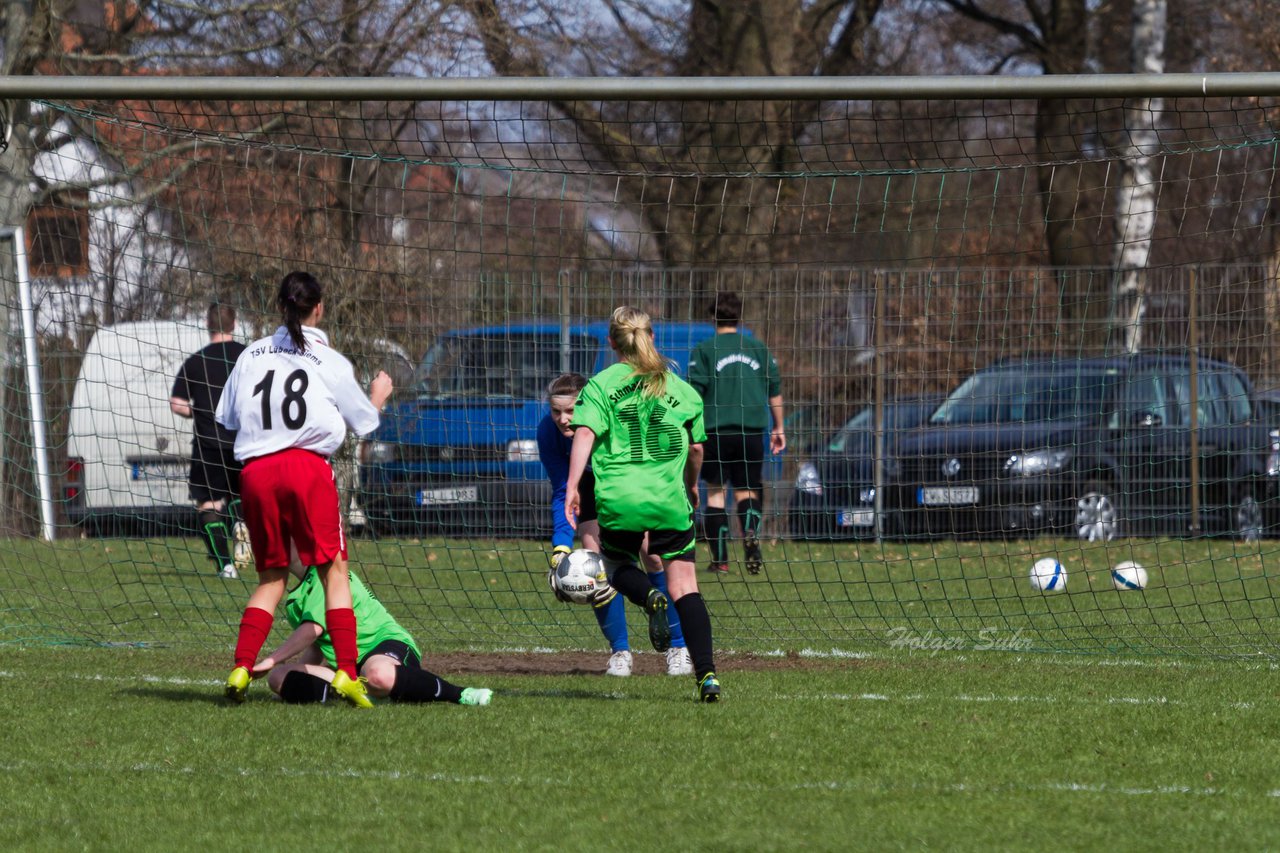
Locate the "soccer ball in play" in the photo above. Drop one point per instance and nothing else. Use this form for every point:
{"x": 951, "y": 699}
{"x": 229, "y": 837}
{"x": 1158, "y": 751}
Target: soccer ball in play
{"x": 1129, "y": 575}
{"x": 580, "y": 575}
{"x": 1048, "y": 575}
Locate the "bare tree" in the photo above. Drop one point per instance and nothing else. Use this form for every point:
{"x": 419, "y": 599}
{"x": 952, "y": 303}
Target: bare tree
{"x": 1136, "y": 197}
{"x": 1053, "y": 37}
{"x": 738, "y": 151}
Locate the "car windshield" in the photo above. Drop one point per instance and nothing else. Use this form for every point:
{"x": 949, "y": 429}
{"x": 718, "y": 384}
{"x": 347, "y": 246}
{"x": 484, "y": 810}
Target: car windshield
{"x": 500, "y": 365}
{"x": 1012, "y": 397}
{"x": 897, "y": 416}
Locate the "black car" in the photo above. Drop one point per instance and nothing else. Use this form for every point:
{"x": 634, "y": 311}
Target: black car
{"x": 1089, "y": 447}
{"x": 834, "y": 493}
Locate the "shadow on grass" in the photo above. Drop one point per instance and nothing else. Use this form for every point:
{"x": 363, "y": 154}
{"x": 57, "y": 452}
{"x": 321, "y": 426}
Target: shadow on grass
{"x": 178, "y": 694}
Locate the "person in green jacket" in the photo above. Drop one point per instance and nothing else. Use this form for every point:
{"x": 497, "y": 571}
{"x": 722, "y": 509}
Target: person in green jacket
{"x": 741, "y": 390}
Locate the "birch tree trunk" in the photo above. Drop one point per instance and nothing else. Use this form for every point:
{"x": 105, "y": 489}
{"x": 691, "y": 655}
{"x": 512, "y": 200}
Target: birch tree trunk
{"x": 1137, "y": 197}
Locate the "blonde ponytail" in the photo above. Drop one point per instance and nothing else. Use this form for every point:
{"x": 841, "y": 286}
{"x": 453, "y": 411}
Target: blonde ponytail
{"x": 631, "y": 331}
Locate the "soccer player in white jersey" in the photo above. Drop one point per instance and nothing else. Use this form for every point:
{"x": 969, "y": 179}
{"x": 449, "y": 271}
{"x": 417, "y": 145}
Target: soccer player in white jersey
{"x": 291, "y": 398}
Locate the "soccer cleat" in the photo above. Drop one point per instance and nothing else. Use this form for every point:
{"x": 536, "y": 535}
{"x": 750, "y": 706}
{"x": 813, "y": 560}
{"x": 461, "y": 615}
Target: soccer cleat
{"x": 619, "y": 664}
{"x": 718, "y": 568}
{"x": 752, "y": 556}
{"x": 709, "y": 688}
{"x": 229, "y": 572}
{"x": 659, "y": 629}
{"x": 678, "y": 661}
{"x": 242, "y": 551}
{"x": 238, "y": 684}
{"x": 475, "y": 696}
{"x": 352, "y": 689}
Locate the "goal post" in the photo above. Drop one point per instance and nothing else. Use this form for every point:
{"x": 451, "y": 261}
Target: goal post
{"x": 896, "y": 241}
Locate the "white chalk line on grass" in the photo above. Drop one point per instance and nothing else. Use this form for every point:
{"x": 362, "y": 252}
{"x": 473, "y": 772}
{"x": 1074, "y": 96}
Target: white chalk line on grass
{"x": 1084, "y": 660}
{"x": 993, "y": 698}
{"x": 849, "y": 786}
{"x": 823, "y": 697}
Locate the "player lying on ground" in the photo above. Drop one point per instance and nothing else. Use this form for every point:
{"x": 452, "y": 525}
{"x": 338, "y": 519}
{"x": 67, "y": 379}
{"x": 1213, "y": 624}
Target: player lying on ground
{"x": 389, "y": 659}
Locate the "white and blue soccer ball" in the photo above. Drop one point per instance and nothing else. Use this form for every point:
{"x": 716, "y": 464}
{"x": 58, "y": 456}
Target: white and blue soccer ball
{"x": 1048, "y": 575}
{"x": 1129, "y": 575}
{"x": 581, "y": 575}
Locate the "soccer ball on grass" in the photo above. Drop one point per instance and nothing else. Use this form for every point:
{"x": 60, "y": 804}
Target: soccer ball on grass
{"x": 1129, "y": 575}
{"x": 1048, "y": 575}
{"x": 581, "y": 576}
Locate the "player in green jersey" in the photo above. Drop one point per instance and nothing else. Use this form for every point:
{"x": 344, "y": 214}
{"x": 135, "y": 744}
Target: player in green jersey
{"x": 741, "y": 387}
{"x": 640, "y": 427}
{"x": 388, "y": 657}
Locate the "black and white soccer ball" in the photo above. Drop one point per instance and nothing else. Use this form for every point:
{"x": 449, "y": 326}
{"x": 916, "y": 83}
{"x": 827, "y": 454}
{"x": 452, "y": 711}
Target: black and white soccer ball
{"x": 581, "y": 576}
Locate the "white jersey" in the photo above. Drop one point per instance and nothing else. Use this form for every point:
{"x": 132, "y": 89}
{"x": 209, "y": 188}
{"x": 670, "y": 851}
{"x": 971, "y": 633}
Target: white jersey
{"x": 278, "y": 398}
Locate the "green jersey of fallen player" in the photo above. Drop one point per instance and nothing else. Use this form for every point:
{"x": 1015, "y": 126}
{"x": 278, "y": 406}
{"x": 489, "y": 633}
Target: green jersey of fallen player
{"x": 642, "y": 444}
{"x": 305, "y": 603}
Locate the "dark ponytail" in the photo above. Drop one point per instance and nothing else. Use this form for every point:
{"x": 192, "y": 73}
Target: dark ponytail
{"x": 299, "y": 295}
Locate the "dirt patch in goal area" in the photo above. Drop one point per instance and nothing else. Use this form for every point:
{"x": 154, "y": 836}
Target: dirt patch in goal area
{"x": 593, "y": 663}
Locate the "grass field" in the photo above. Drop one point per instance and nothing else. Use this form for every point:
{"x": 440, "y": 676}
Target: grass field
{"x": 901, "y": 733}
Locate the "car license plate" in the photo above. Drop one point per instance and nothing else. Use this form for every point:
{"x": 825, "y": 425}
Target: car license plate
{"x": 155, "y": 470}
{"x": 856, "y": 518}
{"x": 948, "y": 495}
{"x": 458, "y": 495}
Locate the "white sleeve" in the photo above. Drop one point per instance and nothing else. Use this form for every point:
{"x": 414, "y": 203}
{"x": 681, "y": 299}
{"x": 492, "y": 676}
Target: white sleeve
{"x": 227, "y": 414}
{"x": 353, "y": 403}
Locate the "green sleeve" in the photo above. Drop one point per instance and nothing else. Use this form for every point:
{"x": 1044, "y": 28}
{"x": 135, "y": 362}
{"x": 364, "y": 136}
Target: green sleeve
{"x": 697, "y": 425}
{"x": 700, "y": 368}
{"x": 773, "y": 374}
{"x": 591, "y": 410}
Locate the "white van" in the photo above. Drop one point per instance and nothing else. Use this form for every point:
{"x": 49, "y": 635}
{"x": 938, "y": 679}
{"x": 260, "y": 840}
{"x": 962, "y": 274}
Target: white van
{"x": 129, "y": 454}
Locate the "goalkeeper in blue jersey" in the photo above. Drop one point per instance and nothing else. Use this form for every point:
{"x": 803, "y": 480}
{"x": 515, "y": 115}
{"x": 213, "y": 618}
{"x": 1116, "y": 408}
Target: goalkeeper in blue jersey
{"x": 555, "y": 439}
{"x": 387, "y": 657}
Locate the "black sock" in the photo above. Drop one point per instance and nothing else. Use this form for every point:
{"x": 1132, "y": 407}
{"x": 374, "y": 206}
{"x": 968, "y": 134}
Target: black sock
{"x": 715, "y": 522}
{"x": 632, "y": 583}
{"x": 217, "y": 536}
{"x": 303, "y": 688}
{"x": 696, "y": 624}
{"x": 751, "y": 515}
{"x": 418, "y": 685}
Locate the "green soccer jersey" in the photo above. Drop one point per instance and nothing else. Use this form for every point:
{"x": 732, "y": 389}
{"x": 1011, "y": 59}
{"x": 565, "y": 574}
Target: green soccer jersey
{"x": 305, "y": 603}
{"x": 642, "y": 444}
{"x": 736, "y": 375}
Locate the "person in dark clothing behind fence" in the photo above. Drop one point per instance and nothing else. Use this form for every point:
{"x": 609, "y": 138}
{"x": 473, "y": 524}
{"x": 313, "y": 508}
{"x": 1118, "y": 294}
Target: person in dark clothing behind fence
{"x": 215, "y": 473}
{"x": 741, "y": 390}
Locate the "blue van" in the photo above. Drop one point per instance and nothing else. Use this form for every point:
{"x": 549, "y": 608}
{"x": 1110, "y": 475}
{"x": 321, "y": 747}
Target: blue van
{"x": 458, "y": 454}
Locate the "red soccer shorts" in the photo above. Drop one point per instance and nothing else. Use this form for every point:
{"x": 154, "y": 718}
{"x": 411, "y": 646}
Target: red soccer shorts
{"x": 291, "y": 495}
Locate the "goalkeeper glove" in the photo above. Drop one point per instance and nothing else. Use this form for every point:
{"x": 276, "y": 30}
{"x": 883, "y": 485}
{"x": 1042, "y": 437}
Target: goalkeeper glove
{"x": 603, "y": 595}
{"x": 558, "y": 553}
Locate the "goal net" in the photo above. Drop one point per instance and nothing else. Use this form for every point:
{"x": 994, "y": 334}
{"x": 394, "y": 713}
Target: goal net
{"x": 1007, "y": 329}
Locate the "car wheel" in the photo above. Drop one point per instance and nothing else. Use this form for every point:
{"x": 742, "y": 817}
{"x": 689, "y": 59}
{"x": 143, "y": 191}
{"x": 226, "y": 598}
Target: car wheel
{"x": 1097, "y": 517}
{"x": 1246, "y": 518}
